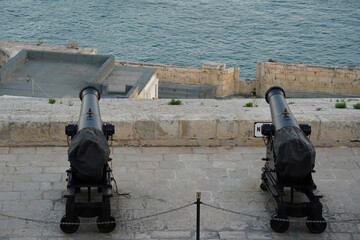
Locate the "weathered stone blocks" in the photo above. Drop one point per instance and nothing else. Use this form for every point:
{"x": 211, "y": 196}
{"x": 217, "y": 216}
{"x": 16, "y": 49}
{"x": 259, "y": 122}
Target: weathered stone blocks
{"x": 296, "y": 77}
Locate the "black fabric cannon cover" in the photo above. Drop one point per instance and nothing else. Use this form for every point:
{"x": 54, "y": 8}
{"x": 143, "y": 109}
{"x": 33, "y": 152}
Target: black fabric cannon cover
{"x": 294, "y": 154}
{"x": 88, "y": 153}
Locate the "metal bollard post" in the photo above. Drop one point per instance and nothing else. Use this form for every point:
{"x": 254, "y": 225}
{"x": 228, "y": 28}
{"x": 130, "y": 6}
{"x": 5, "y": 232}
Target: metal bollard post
{"x": 198, "y": 202}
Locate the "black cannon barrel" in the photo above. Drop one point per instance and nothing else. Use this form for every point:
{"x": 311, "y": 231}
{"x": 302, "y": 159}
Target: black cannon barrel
{"x": 294, "y": 153}
{"x": 90, "y": 112}
{"x": 89, "y": 151}
{"x": 280, "y": 112}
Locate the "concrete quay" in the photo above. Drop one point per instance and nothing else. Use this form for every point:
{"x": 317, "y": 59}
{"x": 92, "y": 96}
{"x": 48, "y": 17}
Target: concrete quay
{"x": 32, "y": 182}
{"x": 201, "y": 122}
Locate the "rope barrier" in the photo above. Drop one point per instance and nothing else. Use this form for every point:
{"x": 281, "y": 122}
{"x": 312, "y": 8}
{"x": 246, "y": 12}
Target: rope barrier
{"x": 177, "y": 209}
{"x": 279, "y": 219}
{"x": 96, "y": 223}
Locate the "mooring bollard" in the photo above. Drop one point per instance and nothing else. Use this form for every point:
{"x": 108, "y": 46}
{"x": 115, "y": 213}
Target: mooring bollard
{"x": 198, "y": 203}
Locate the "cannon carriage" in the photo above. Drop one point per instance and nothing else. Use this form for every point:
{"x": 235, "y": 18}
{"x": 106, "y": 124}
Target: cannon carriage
{"x": 289, "y": 165}
{"x": 88, "y": 154}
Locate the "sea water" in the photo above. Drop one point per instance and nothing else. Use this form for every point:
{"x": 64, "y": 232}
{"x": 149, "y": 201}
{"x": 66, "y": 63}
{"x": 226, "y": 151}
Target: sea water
{"x": 191, "y": 32}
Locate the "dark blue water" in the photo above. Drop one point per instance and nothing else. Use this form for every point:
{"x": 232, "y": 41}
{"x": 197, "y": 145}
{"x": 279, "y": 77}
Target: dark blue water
{"x": 191, "y": 32}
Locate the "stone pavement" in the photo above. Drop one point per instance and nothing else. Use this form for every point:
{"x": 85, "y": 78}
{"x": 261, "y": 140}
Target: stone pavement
{"x": 32, "y": 182}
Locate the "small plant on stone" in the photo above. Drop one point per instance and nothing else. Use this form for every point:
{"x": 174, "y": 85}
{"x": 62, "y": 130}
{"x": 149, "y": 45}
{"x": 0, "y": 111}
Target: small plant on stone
{"x": 356, "y": 106}
{"x": 52, "y": 101}
{"x": 291, "y": 103}
{"x": 318, "y": 109}
{"x": 174, "y": 102}
{"x": 249, "y": 104}
{"x": 39, "y": 42}
{"x": 73, "y": 45}
{"x": 70, "y": 103}
{"x": 61, "y": 102}
{"x": 340, "y": 105}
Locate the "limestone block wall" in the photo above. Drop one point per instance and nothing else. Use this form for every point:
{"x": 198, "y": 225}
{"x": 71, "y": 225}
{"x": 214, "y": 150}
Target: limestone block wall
{"x": 141, "y": 122}
{"x": 306, "y": 78}
{"x": 226, "y": 80}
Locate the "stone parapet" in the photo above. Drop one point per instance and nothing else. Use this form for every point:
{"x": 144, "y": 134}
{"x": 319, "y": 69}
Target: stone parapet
{"x": 226, "y": 80}
{"x": 35, "y": 122}
{"x": 9, "y": 49}
{"x": 301, "y": 78}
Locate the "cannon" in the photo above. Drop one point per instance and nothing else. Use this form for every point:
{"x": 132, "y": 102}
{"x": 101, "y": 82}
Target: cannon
{"x": 289, "y": 164}
{"x": 88, "y": 154}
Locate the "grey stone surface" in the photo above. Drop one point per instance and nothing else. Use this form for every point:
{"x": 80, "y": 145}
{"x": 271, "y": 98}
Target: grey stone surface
{"x": 183, "y": 91}
{"x": 32, "y": 182}
{"x": 35, "y": 122}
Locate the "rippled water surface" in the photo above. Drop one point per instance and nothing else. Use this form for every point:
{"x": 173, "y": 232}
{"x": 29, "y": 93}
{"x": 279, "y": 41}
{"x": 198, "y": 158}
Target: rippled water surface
{"x": 235, "y": 32}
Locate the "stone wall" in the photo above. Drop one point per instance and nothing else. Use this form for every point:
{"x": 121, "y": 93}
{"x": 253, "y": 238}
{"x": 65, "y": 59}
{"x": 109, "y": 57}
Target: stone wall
{"x": 226, "y": 80}
{"x": 140, "y": 122}
{"x": 301, "y": 78}
{"x": 298, "y": 80}
{"x": 9, "y": 49}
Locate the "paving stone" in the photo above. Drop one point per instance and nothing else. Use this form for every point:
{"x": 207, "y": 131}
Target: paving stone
{"x": 4, "y": 150}
{"x": 205, "y": 150}
{"x": 46, "y": 177}
{"x": 40, "y": 205}
{"x": 342, "y": 174}
{"x": 237, "y": 174}
{"x": 258, "y": 235}
{"x": 9, "y": 196}
{"x": 22, "y": 150}
{"x": 26, "y": 186}
{"x": 155, "y": 150}
{"x": 232, "y": 235}
{"x": 344, "y": 227}
{"x": 168, "y": 184}
{"x": 28, "y": 170}
{"x": 216, "y": 173}
{"x": 31, "y": 195}
{"x": 190, "y": 173}
{"x": 18, "y": 163}
{"x": 164, "y": 174}
{"x": 224, "y": 164}
{"x": 198, "y": 164}
{"x": 171, "y": 164}
{"x": 52, "y": 195}
{"x": 15, "y": 205}
{"x": 55, "y": 169}
{"x": 148, "y": 165}
{"x": 341, "y": 236}
{"x": 20, "y": 177}
{"x": 181, "y": 150}
{"x": 6, "y": 186}
{"x": 193, "y": 157}
{"x": 140, "y": 158}
{"x": 171, "y": 234}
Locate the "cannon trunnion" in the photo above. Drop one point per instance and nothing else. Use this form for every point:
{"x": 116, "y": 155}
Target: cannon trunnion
{"x": 88, "y": 154}
{"x": 289, "y": 164}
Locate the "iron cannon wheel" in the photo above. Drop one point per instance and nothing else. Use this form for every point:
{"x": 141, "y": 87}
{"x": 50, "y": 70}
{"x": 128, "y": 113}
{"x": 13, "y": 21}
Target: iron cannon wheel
{"x": 316, "y": 227}
{"x": 69, "y": 228}
{"x": 279, "y": 226}
{"x": 107, "y": 227}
